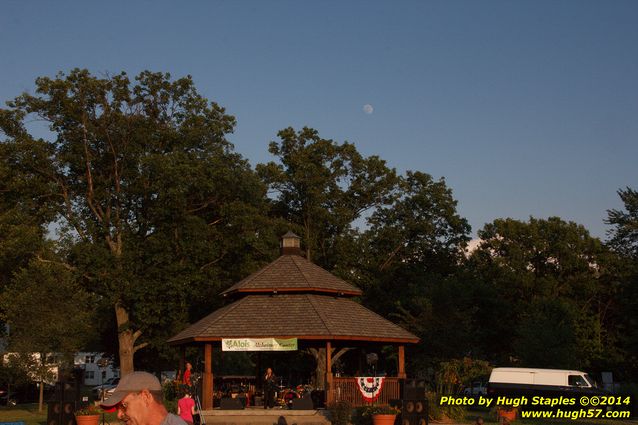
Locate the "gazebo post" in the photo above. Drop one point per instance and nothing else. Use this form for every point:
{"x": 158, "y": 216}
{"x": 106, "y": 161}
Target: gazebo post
{"x": 401, "y": 372}
{"x": 258, "y": 375}
{"x": 329, "y": 389}
{"x": 207, "y": 384}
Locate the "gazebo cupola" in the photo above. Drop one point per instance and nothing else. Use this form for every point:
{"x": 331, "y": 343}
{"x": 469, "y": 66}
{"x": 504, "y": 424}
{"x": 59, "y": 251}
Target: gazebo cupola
{"x": 290, "y": 244}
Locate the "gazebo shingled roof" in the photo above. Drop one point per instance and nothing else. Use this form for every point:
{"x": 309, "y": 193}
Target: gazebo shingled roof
{"x": 293, "y": 273}
{"x": 303, "y": 316}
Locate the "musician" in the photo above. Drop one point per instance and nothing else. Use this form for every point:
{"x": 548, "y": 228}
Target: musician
{"x": 270, "y": 387}
{"x": 186, "y": 378}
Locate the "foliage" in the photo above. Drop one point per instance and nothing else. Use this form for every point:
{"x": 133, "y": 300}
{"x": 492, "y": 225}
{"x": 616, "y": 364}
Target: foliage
{"x": 363, "y": 415}
{"x": 445, "y": 412}
{"x": 379, "y": 409}
{"x": 624, "y": 235}
{"x": 340, "y": 412}
{"x": 420, "y": 229}
{"x": 155, "y": 214}
{"x": 453, "y": 374}
{"x": 442, "y": 313}
{"x": 409, "y": 258}
{"x": 170, "y": 390}
{"x": 543, "y": 272}
{"x": 89, "y": 410}
{"x": 151, "y": 202}
{"x": 323, "y": 187}
{"x": 624, "y": 240}
{"x": 48, "y": 314}
{"x": 557, "y": 346}
{"x": 47, "y": 310}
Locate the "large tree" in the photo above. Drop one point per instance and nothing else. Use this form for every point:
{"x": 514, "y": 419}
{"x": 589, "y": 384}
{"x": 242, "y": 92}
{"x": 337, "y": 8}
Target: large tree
{"x": 408, "y": 262}
{"x": 156, "y": 209}
{"x": 48, "y": 313}
{"x": 322, "y": 187}
{"x": 624, "y": 240}
{"x": 548, "y": 271}
{"x": 417, "y": 239}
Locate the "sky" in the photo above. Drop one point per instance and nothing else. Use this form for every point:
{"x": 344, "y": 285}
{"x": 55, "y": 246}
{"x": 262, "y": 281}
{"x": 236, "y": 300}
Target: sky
{"x": 525, "y": 107}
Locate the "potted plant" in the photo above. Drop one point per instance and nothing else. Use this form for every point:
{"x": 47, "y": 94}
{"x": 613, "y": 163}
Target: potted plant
{"x": 506, "y": 414}
{"x": 381, "y": 414}
{"x": 88, "y": 415}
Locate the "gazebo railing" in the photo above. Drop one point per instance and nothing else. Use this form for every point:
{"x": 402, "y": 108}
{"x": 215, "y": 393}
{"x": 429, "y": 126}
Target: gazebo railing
{"x": 347, "y": 389}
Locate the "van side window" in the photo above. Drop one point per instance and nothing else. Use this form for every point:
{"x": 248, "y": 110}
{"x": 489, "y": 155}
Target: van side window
{"x": 576, "y": 381}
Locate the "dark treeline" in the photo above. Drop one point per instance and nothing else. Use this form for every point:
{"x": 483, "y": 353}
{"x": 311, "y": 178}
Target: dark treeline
{"x": 124, "y": 220}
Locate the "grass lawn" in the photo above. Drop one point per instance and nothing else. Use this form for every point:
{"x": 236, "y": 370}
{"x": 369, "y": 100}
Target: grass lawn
{"x": 24, "y": 412}
{"x": 30, "y": 415}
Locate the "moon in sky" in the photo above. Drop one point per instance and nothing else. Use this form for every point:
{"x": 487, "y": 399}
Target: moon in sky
{"x": 368, "y": 109}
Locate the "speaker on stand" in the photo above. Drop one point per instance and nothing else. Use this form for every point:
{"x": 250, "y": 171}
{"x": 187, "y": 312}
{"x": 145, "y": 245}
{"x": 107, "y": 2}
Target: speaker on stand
{"x": 413, "y": 403}
{"x": 64, "y": 402}
{"x": 61, "y": 412}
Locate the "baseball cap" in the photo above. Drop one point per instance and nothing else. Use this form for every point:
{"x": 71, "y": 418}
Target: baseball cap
{"x": 132, "y": 383}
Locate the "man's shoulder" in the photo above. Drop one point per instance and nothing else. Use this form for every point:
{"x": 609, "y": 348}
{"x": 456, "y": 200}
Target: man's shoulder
{"x": 172, "y": 419}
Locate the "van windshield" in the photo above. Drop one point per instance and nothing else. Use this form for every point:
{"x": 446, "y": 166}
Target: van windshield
{"x": 576, "y": 381}
{"x": 590, "y": 381}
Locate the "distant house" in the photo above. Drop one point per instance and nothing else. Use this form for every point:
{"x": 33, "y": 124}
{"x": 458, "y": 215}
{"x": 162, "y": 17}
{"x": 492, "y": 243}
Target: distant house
{"x": 97, "y": 368}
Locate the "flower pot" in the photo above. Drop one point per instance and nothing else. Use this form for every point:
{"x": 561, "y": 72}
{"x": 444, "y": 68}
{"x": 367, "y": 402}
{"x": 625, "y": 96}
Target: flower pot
{"x": 509, "y": 414}
{"x": 383, "y": 419}
{"x": 87, "y": 419}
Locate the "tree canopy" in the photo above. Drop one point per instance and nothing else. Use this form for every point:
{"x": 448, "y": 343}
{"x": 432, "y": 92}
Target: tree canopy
{"x": 126, "y": 195}
{"x": 156, "y": 208}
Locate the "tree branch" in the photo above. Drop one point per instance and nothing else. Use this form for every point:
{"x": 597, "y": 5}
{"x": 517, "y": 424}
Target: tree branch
{"x": 139, "y": 346}
{"x": 65, "y": 265}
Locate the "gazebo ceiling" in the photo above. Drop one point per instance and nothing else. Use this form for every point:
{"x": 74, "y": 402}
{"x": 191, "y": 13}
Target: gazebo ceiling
{"x": 293, "y": 273}
{"x": 303, "y": 316}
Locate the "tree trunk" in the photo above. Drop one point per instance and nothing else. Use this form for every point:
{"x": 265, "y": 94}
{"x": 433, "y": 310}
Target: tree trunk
{"x": 40, "y": 398}
{"x": 126, "y": 339}
{"x": 320, "y": 366}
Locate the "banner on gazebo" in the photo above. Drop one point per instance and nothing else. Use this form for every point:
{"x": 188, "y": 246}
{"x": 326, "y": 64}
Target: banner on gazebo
{"x": 259, "y": 344}
{"x": 370, "y": 387}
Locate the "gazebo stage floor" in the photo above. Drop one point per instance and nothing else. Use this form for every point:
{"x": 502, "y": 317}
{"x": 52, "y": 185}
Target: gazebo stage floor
{"x": 261, "y": 416}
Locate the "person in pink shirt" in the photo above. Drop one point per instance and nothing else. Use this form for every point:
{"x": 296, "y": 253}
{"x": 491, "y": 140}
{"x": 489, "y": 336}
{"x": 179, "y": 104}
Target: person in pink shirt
{"x": 186, "y": 407}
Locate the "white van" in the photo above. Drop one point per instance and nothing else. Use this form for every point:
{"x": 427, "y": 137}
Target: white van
{"x": 514, "y": 381}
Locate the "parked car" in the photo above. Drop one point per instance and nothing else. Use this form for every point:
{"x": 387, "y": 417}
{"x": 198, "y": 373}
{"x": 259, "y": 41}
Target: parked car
{"x": 5, "y": 400}
{"x": 108, "y": 385}
{"x": 476, "y": 389}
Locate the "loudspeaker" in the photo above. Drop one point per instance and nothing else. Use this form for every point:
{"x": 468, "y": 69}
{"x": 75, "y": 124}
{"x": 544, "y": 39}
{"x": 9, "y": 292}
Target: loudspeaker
{"x": 304, "y": 403}
{"x": 413, "y": 412}
{"x": 66, "y": 391}
{"x": 61, "y": 413}
{"x": 318, "y": 398}
{"x": 413, "y": 389}
{"x": 228, "y": 403}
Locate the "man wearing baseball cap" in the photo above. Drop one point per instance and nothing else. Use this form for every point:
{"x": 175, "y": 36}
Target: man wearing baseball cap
{"x": 138, "y": 399}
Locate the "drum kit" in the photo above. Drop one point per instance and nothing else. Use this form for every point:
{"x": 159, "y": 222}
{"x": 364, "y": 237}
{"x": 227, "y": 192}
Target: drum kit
{"x": 286, "y": 395}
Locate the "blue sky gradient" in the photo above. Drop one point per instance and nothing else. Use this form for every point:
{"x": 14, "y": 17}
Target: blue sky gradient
{"x": 527, "y": 108}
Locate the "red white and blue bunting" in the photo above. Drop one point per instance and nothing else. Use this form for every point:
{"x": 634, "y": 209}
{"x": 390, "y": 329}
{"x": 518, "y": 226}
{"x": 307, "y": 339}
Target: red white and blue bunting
{"x": 370, "y": 387}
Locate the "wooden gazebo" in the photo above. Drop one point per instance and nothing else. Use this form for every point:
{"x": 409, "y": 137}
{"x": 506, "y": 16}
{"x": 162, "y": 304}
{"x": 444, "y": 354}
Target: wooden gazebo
{"x": 294, "y": 298}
